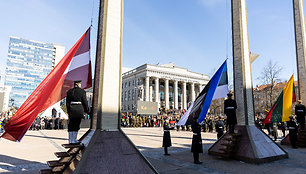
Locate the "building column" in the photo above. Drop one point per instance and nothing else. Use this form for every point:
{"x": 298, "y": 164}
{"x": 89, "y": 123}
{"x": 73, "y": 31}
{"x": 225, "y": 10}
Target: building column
{"x": 192, "y": 92}
{"x": 157, "y": 98}
{"x": 199, "y": 88}
{"x": 184, "y": 96}
{"x": 151, "y": 92}
{"x": 166, "y": 93}
{"x": 147, "y": 88}
{"x": 175, "y": 94}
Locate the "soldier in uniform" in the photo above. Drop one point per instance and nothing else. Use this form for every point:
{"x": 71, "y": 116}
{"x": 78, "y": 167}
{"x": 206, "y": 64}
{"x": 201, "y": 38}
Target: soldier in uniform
{"x": 300, "y": 112}
{"x": 219, "y": 127}
{"x": 77, "y": 104}
{"x": 196, "y": 146}
{"x": 230, "y": 107}
{"x": 167, "y": 137}
{"x": 292, "y": 131}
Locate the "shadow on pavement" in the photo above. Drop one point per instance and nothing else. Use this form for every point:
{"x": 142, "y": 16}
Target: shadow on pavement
{"x": 16, "y": 165}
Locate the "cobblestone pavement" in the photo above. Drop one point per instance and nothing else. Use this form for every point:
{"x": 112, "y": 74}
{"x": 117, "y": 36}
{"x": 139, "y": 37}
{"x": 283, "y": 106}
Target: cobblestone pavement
{"x": 37, "y": 147}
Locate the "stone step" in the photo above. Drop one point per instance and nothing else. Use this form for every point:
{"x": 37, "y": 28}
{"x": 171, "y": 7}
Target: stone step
{"x": 45, "y": 171}
{"x": 55, "y": 163}
{"x": 58, "y": 169}
{"x": 67, "y": 146}
{"x": 226, "y": 149}
{"x": 61, "y": 154}
{"x": 228, "y": 144}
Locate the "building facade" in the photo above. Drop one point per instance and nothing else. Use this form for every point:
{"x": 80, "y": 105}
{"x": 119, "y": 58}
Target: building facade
{"x": 28, "y": 63}
{"x": 170, "y": 86}
{"x": 266, "y": 95}
{"x": 4, "y": 98}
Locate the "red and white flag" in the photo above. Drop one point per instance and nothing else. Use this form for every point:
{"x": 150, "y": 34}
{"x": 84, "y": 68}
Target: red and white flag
{"x": 75, "y": 65}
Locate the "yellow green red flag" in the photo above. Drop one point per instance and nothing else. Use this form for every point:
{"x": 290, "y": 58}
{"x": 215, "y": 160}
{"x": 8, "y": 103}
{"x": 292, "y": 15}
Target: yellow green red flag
{"x": 281, "y": 110}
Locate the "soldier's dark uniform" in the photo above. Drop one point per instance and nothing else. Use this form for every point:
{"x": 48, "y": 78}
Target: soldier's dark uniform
{"x": 77, "y": 104}
{"x": 300, "y": 112}
{"x": 292, "y": 132}
{"x": 167, "y": 137}
{"x": 219, "y": 128}
{"x": 196, "y": 146}
{"x": 230, "y": 107}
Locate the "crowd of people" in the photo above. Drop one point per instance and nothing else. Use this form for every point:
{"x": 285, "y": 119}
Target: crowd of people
{"x": 133, "y": 120}
{"x": 52, "y": 122}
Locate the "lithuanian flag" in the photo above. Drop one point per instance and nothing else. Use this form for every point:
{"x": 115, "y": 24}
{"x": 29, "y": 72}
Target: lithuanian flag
{"x": 281, "y": 110}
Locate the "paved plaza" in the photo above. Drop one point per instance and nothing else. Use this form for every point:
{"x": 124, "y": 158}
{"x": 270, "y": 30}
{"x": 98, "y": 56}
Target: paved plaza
{"x": 37, "y": 147}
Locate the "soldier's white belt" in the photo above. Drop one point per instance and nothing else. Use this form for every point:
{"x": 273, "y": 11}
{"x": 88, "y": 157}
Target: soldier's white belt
{"x": 229, "y": 108}
{"x": 221, "y": 127}
{"x": 195, "y": 134}
{"x": 300, "y": 111}
{"x": 291, "y": 127}
{"x": 75, "y": 103}
{"x": 166, "y": 130}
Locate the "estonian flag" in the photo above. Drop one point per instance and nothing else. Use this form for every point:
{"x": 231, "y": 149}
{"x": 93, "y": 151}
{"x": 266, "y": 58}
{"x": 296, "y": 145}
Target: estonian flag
{"x": 199, "y": 107}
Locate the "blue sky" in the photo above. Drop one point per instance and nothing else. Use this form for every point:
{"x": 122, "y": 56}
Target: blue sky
{"x": 193, "y": 34}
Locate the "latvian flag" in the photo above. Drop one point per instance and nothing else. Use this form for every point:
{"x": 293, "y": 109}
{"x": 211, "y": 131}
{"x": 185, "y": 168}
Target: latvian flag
{"x": 198, "y": 109}
{"x": 75, "y": 65}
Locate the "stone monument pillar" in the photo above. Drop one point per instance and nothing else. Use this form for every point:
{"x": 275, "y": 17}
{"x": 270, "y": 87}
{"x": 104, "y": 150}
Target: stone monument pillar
{"x": 109, "y": 146}
{"x": 300, "y": 42}
{"x": 252, "y": 145}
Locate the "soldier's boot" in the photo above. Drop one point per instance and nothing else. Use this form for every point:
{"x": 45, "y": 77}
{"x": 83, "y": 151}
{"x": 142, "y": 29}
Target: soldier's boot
{"x": 70, "y": 137}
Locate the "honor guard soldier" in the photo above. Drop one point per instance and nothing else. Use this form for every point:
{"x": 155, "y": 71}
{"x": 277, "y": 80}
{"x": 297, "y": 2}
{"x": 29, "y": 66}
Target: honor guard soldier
{"x": 196, "y": 146}
{"x": 167, "y": 137}
{"x": 219, "y": 127}
{"x": 77, "y": 104}
{"x": 292, "y": 131}
{"x": 300, "y": 112}
{"x": 230, "y": 107}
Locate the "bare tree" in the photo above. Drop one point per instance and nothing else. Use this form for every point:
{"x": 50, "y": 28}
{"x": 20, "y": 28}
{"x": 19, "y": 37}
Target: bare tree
{"x": 270, "y": 77}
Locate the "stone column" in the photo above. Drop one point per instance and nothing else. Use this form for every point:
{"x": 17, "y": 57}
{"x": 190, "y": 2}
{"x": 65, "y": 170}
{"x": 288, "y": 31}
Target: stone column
{"x": 184, "y": 96}
{"x": 175, "y": 94}
{"x": 252, "y": 140}
{"x": 242, "y": 68}
{"x": 192, "y": 92}
{"x": 299, "y": 26}
{"x": 167, "y": 93}
{"x": 151, "y": 93}
{"x": 147, "y": 88}
{"x": 199, "y": 88}
{"x": 107, "y": 89}
{"x": 157, "y": 98}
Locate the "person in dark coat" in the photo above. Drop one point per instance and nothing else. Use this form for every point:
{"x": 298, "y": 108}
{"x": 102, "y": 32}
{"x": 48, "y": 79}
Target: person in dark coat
{"x": 292, "y": 131}
{"x": 219, "y": 127}
{"x": 196, "y": 146}
{"x": 77, "y": 104}
{"x": 230, "y": 107}
{"x": 300, "y": 112}
{"x": 167, "y": 137}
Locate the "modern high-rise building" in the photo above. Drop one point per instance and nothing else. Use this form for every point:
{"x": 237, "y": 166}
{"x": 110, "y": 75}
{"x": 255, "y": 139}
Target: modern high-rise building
{"x": 28, "y": 63}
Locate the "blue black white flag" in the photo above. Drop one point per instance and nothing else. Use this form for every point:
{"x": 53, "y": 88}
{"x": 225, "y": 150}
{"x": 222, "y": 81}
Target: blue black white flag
{"x": 198, "y": 109}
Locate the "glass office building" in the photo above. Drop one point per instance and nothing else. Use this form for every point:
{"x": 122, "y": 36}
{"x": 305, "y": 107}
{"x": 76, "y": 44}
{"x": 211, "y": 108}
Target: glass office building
{"x": 28, "y": 63}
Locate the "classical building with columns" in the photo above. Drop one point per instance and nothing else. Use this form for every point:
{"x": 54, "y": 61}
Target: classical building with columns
{"x": 170, "y": 86}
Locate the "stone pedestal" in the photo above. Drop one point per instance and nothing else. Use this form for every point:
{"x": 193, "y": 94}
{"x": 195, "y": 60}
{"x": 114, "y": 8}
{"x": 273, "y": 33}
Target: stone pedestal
{"x": 252, "y": 146}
